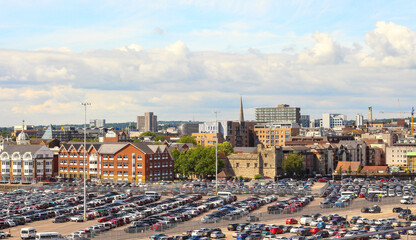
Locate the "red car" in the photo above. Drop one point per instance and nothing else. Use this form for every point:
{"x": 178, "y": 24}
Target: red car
{"x": 339, "y": 235}
{"x": 291, "y": 221}
{"x": 322, "y": 180}
{"x": 315, "y": 230}
{"x": 104, "y": 219}
{"x": 276, "y": 230}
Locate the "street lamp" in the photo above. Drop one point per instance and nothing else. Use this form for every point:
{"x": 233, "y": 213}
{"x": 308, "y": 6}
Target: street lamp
{"x": 85, "y": 104}
{"x": 216, "y": 154}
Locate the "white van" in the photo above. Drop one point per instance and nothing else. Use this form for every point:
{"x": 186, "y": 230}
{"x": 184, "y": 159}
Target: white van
{"x": 49, "y": 236}
{"x": 27, "y": 233}
{"x": 225, "y": 194}
{"x": 152, "y": 194}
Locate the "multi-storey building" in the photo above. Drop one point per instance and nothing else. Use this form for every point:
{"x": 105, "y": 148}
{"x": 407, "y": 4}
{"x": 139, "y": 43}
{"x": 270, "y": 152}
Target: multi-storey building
{"x": 359, "y": 120}
{"x": 97, "y": 123}
{"x": 116, "y": 162}
{"x": 396, "y": 155}
{"x": 208, "y": 139}
{"x": 281, "y": 113}
{"x": 276, "y": 134}
{"x": 305, "y": 121}
{"x": 331, "y": 120}
{"x": 26, "y": 163}
{"x": 148, "y": 122}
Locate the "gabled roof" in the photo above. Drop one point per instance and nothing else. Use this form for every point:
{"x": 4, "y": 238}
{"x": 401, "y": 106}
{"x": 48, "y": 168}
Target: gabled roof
{"x": 346, "y": 164}
{"x": 143, "y": 147}
{"x": 374, "y": 169}
{"x": 245, "y": 149}
{"x": 111, "y": 148}
{"x": 22, "y": 148}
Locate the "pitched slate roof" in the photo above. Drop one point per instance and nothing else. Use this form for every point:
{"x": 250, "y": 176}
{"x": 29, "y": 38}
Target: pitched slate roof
{"x": 111, "y": 148}
{"x": 22, "y": 148}
{"x": 143, "y": 147}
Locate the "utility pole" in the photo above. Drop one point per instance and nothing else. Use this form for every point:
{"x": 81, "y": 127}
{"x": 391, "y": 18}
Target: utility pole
{"x": 216, "y": 154}
{"x": 85, "y": 104}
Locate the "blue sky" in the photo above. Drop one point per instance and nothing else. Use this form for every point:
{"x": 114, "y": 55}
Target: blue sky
{"x": 183, "y": 59}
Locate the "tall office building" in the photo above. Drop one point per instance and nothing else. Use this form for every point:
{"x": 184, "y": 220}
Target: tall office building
{"x": 281, "y": 113}
{"x": 97, "y": 123}
{"x": 359, "y": 119}
{"x": 305, "y": 121}
{"x": 148, "y": 122}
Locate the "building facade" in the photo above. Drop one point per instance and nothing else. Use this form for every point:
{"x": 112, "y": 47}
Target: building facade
{"x": 397, "y": 155}
{"x": 359, "y": 120}
{"x": 26, "y": 163}
{"x": 97, "y": 123}
{"x": 188, "y": 129}
{"x": 208, "y": 139}
{"x": 332, "y": 120}
{"x": 275, "y": 134}
{"x": 281, "y": 113}
{"x": 238, "y": 133}
{"x": 305, "y": 121}
{"x": 116, "y": 162}
{"x": 148, "y": 122}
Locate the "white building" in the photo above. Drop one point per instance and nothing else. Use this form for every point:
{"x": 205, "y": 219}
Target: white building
{"x": 97, "y": 123}
{"x": 333, "y": 120}
{"x": 359, "y": 120}
{"x": 26, "y": 163}
{"x": 397, "y": 155}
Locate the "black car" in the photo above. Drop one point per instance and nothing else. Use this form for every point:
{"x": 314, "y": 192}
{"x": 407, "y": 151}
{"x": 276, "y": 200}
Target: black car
{"x": 397, "y": 209}
{"x": 232, "y": 226}
{"x": 322, "y": 233}
{"x": 365, "y": 210}
{"x": 61, "y": 219}
{"x": 374, "y": 209}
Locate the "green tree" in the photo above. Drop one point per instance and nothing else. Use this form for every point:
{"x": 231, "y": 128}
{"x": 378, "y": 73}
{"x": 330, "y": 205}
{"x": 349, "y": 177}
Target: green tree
{"x": 340, "y": 170}
{"x": 148, "y": 133}
{"x": 175, "y": 153}
{"x": 258, "y": 176}
{"x": 187, "y": 139}
{"x": 359, "y": 169}
{"x": 293, "y": 164}
{"x": 159, "y": 138}
{"x": 349, "y": 169}
{"x": 137, "y": 140}
{"x": 226, "y": 148}
{"x": 199, "y": 161}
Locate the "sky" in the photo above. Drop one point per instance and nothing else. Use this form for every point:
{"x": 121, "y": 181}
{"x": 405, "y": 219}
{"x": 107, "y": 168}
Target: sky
{"x": 183, "y": 60}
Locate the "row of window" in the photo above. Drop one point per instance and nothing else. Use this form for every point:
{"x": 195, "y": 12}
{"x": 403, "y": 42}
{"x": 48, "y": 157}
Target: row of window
{"x": 27, "y": 163}
{"x": 120, "y": 157}
{"x": 248, "y": 165}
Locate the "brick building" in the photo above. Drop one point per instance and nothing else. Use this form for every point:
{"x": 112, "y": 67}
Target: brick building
{"x": 116, "y": 162}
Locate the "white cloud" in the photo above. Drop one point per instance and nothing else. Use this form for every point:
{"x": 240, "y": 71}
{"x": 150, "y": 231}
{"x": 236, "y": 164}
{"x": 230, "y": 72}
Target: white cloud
{"x": 178, "y": 83}
{"x": 325, "y": 51}
{"x": 393, "y": 45}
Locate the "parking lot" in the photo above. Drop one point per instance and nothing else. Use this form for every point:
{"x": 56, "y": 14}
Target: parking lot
{"x": 129, "y": 213}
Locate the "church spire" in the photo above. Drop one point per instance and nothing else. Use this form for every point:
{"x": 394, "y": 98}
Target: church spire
{"x": 241, "y": 110}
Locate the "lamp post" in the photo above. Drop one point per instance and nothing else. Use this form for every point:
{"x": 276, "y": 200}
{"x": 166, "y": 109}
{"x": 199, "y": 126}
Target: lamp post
{"x": 216, "y": 154}
{"x": 85, "y": 104}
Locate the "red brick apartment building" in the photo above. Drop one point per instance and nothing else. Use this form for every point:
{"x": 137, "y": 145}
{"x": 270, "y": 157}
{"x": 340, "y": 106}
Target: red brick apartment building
{"x": 117, "y": 162}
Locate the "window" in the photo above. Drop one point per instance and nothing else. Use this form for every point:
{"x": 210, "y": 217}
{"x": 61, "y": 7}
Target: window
{"x": 125, "y": 157}
{"x": 111, "y": 173}
{"x": 119, "y": 173}
{"x": 119, "y": 165}
{"x": 105, "y": 164}
{"x": 119, "y": 157}
{"x": 105, "y": 173}
{"x": 139, "y": 157}
{"x": 140, "y": 165}
{"x": 125, "y": 165}
{"x": 248, "y": 164}
{"x": 111, "y": 164}
{"x": 237, "y": 165}
{"x": 140, "y": 174}
{"x": 255, "y": 165}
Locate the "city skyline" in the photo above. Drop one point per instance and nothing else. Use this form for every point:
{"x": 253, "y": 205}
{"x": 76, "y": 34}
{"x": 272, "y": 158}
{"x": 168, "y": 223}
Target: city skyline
{"x": 182, "y": 60}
